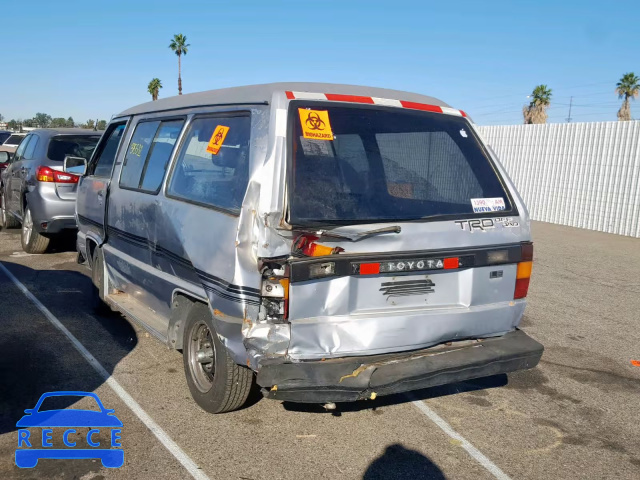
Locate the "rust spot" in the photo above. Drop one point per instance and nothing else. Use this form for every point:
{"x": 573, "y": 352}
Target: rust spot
{"x": 245, "y": 319}
{"x": 218, "y": 313}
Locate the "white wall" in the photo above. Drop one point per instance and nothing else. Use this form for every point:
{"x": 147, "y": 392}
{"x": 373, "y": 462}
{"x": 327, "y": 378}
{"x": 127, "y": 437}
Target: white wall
{"x": 579, "y": 174}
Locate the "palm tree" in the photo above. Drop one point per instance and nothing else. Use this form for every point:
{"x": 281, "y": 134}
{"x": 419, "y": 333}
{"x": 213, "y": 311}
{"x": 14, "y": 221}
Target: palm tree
{"x": 536, "y": 111}
{"x": 154, "y": 87}
{"x": 180, "y": 47}
{"x": 628, "y": 87}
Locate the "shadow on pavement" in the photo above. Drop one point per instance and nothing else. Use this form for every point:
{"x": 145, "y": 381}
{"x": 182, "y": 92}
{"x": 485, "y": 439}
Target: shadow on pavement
{"x": 35, "y": 357}
{"x": 63, "y": 242}
{"x": 400, "y": 462}
{"x": 424, "y": 394}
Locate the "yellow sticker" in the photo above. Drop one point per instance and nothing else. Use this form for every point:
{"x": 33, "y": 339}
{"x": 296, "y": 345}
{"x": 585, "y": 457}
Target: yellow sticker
{"x": 315, "y": 124}
{"x": 217, "y": 139}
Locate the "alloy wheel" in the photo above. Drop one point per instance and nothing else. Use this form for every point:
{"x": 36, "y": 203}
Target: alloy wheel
{"x": 27, "y": 227}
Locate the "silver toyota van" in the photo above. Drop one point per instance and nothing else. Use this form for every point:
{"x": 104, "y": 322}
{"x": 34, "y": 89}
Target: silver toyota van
{"x": 329, "y": 242}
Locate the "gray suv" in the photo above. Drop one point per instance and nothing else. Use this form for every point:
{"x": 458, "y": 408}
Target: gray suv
{"x": 37, "y": 189}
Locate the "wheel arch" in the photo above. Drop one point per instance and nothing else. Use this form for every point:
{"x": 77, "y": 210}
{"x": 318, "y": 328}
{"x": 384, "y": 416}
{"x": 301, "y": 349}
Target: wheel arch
{"x": 181, "y": 304}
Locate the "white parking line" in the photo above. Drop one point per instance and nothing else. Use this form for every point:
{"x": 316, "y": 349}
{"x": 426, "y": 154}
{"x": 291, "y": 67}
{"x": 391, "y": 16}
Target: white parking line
{"x": 159, "y": 433}
{"x": 471, "y": 450}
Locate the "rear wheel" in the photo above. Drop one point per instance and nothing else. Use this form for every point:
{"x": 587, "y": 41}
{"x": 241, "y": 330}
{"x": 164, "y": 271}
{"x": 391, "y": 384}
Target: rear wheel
{"x": 6, "y": 219}
{"x": 216, "y": 382}
{"x": 32, "y": 241}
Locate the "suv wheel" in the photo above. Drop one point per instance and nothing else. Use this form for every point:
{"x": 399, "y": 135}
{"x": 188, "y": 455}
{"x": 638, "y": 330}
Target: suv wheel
{"x": 32, "y": 241}
{"x": 6, "y": 219}
{"x": 216, "y": 382}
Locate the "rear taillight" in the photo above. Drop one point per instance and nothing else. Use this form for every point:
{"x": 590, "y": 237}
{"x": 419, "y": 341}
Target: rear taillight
{"x": 523, "y": 274}
{"x": 306, "y": 244}
{"x": 46, "y": 174}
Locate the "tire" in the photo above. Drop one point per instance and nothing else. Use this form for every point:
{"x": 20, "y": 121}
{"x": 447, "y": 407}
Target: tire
{"x": 6, "y": 219}
{"x": 97, "y": 279}
{"x": 220, "y": 385}
{"x": 32, "y": 241}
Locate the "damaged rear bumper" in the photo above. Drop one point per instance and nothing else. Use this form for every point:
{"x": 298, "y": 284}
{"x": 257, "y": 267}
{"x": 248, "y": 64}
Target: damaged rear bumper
{"x": 355, "y": 378}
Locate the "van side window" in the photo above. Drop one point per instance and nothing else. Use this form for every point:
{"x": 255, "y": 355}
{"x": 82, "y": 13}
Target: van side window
{"x": 102, "y": 164}
{"x": 148, "y": 154}
{"x": 137, "y": 154}
{"x": 159, "y": 156}
{"x": 218, "y": 180}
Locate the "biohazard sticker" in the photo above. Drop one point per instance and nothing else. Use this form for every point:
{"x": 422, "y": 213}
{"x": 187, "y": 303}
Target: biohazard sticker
{"x": 217, "y": 139}
{"x": 315, "y": 124}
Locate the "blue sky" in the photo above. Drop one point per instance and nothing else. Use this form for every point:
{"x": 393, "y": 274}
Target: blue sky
{"x": 94, "y": 59}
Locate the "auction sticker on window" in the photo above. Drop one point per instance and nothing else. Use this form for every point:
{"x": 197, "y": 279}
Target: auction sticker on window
{"x": 487, "y": 204}
{"x": 315, "y": 124}
{"x": 217, "y": 139}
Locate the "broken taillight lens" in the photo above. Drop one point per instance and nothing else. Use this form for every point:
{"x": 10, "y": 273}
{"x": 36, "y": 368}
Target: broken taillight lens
{"x": 306, "y": 244}
{"x": 275, "y": 294}
{"x": 523, "y": 274}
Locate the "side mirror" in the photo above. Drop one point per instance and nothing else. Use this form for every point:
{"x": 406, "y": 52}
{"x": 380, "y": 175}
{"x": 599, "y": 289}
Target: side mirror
{"x": 5, "y": 157}
{"x": 75, "y": 165}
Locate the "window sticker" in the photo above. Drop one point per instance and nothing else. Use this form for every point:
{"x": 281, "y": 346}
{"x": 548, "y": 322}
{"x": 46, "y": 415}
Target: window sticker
{"x": 315, "y": 148}
{"x": 217, "y": 139}
{"x": 488, "y": 204}
{"x": 135, "y": 149}
{"x": 315, "y": 124}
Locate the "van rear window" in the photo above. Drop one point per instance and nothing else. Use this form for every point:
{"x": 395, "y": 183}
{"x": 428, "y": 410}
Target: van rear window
{"x": 386, "y": 164}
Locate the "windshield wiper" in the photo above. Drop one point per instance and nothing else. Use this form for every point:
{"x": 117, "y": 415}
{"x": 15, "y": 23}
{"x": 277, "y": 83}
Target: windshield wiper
{"x": 355, "y": 236}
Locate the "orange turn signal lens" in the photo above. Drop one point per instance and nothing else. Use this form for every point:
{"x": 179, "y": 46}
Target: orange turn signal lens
{"x": 285, "y": 286}
{"x": 524, "y": 270}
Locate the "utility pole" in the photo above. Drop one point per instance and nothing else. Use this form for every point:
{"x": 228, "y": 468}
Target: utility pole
{"x": 570, "y": 104}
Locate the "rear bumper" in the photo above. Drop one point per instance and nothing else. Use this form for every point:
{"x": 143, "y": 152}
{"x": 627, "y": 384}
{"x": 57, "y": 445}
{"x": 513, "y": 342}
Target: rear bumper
{"x": 356, "y": 378}
{"x": 47, "y": 207}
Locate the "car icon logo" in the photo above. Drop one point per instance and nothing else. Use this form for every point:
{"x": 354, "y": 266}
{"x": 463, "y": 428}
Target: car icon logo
{"x": 62, "y": 424}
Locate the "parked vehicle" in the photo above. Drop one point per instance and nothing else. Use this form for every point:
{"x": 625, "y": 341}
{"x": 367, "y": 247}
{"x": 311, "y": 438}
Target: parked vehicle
{"x": 340, "y": 242}
{"x": 5, "y": 158}
{"x": 37, "y": 191}
{"x": 4, "y": 134}
{"x": 11, "y": 143}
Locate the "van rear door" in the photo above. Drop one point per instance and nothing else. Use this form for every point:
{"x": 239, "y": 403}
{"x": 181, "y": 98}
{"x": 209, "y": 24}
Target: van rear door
{"x": 443, "y": 267}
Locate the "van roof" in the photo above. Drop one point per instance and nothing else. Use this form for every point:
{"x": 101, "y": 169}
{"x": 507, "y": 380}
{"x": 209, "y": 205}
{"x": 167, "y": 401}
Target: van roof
{"x": 257, "y": 94}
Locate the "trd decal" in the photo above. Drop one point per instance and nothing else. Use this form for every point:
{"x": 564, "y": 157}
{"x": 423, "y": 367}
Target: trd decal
{"x": 478, "y": 224}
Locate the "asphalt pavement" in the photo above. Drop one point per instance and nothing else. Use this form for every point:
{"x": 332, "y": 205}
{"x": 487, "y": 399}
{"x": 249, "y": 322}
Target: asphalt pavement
{"x": 574, "y": 416}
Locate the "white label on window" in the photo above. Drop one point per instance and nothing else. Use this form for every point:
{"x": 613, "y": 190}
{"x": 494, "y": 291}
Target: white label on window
{"x": 487, "y": 204}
